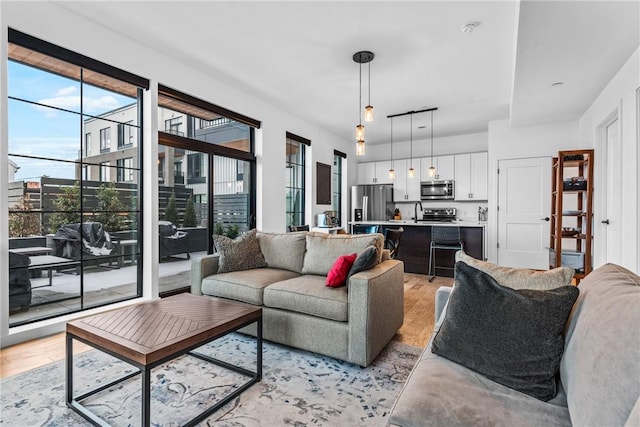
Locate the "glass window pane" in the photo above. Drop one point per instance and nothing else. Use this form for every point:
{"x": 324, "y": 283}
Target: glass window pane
{"x": 214, "y": 129}
{"x": 69, "y": 219}
{"x": 43, "y": 132}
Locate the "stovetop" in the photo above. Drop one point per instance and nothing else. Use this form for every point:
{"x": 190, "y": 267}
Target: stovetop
{"x": 439, "y": 214}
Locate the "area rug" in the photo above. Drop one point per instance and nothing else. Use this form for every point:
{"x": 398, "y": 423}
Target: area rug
{"x": 298, "y": 388}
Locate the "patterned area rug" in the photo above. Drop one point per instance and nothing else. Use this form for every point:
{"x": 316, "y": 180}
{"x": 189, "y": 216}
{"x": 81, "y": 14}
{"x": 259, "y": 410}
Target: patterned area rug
{"x": 298, "y": 388}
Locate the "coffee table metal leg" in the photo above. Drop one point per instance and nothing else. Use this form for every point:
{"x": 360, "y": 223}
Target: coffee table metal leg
{"x": 146, "y": 397}
{"x": 259, "y": 351}
{"x": 69, "y": 368}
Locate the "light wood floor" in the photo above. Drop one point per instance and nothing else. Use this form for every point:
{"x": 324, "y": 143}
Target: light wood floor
{"x": 419, "y": 297}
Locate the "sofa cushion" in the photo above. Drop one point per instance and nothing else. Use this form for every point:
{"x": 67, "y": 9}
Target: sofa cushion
{"x": 514, "y": 337}
{"x": 440, "y": 392}
{"x": 308, "y": 294}
{"x": 337, "y": 276}
{"x": 521, "y": 278}
{"x": 241, "y": 253}
{"x": 246, "y": 286}
{"x": 600, "y": 369}
{"x": 324, "y": 248}
{"x": 283, "y": 250}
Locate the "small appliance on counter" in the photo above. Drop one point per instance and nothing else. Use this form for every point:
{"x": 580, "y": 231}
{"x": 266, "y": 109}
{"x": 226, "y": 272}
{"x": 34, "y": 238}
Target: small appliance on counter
{"x": 439, "y": 214}
{"x": 327, "y": 219}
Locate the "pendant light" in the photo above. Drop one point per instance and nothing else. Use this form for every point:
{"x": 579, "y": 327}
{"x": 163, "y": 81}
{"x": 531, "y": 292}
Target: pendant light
{"x": 412, "y": 171}
{"x": 362, "y": 57}
{"x": 368, "y": 110}
{"x": 392, "y": 171}
{"x": 432, "y": 169}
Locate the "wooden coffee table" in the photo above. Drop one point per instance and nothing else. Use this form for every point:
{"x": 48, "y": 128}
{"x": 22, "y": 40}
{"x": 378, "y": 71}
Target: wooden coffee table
{"x": 149, "y": 334}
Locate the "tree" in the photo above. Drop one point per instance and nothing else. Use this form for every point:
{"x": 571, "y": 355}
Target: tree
{"x": 190, "y": 219}
{"x": 67, "y": 206}
{"x": 23, "y": 222}
{"x": 170, "y": 212}
{"x": 109, "y": 208}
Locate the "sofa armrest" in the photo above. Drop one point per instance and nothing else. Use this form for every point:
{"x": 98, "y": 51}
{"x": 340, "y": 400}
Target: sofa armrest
{"x": 442, "y": 298}
{"x": 202, "y": 267}
{"x": 376, "y": 309}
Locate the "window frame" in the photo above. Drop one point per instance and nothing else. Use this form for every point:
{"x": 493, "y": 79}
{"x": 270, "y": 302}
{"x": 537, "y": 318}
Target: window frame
{"x": 301, "y": 169}
{"x": 57, "y": 60}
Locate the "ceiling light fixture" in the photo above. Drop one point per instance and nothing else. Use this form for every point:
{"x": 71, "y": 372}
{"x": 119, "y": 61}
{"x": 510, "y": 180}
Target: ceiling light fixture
{"x": 368, "y": 110}
{"x": 412, "y": 171}
{"x": 470, "y": 27}
{"x": 362, "y": 57}
{"x": 432, "y": 169}
{"x": 392, "y": 171}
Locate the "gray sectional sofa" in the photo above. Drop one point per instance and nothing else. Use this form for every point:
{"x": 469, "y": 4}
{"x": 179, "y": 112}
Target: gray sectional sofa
{"x": 352, "y": 323}
{"x": 599, "y": 374}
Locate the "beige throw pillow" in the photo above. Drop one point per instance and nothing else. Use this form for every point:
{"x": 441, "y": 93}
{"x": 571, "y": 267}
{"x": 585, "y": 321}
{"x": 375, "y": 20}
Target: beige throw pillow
{"x": 283, "y": 250}
{"x": 521, "y": 278}
{"x": 241, "y": 253}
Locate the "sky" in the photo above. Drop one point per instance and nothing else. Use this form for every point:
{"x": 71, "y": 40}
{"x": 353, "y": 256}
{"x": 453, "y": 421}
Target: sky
{"x": 37, "y": 130}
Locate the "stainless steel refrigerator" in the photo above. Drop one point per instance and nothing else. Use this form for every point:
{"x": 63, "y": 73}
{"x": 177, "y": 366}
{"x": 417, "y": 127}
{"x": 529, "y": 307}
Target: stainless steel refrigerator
{"x": 372, "y": 202}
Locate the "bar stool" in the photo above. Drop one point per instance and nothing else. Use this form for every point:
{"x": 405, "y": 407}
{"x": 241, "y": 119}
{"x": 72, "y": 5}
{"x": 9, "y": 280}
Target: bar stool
{"x": 365, "y": 229}
{"x": 447, "y": 238}
{"x": 392, "y": 241}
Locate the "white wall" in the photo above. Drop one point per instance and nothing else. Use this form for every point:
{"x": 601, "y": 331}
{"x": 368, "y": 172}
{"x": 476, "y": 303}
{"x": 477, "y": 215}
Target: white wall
{"x": 621, "y": 96}
{"x": 516, "y": 143}
{"x": 86, "y": 37}
{"x": 466, "y": 143}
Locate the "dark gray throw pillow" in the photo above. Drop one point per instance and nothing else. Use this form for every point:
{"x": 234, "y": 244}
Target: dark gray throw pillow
{"x": 241, "y": 253}
{"x": 366, "y": 259}
{"x": 513, "y": 337}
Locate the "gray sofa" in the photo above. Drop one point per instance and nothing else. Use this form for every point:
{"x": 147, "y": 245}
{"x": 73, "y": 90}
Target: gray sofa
{"x": 599, "y": 371}
{"x": 352, "y": 323}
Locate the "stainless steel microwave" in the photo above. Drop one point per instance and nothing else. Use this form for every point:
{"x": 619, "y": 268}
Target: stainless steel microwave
{"x": 437, "y": 190}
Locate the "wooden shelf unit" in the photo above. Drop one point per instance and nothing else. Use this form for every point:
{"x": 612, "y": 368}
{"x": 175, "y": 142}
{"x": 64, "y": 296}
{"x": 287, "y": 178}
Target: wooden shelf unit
{"x": 581, "y": 210}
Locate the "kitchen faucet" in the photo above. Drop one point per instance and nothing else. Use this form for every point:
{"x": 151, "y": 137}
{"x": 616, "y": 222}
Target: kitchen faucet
{"x": 415, "y": 210}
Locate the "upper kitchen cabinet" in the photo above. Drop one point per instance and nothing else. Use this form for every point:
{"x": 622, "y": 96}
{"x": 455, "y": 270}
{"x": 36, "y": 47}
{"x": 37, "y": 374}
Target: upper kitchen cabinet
{"x": 445, "y": 168}
{"x": 471, "y": 176}
{"x": 374, "y": 173}
{"x": 405, "y": 188}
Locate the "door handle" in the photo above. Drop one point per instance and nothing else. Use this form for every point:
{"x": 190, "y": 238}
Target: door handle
{"x": 546, "y": 218}
{"x": 606, "y": 221}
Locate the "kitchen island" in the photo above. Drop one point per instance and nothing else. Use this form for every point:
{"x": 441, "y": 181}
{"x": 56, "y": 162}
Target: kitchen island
{"x": 416, "y": 238}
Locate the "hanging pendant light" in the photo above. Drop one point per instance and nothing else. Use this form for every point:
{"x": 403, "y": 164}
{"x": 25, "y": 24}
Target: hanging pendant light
{"x": 392, "y": 171}
{"x": 432, "y": 169}
{"x": 362, "y": 57}
{"x": 412, "y": 171}
{"x": 368, "y": 110}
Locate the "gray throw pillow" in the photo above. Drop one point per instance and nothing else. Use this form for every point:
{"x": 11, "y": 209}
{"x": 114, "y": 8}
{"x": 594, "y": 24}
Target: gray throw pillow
{"x": 513, "y": 337}
{"x": 366, "y": 259}
{"x": 241, "y": 253}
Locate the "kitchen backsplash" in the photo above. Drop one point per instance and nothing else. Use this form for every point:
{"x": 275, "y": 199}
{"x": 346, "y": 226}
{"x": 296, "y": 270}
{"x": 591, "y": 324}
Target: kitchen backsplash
{"x": 467, "y": 211}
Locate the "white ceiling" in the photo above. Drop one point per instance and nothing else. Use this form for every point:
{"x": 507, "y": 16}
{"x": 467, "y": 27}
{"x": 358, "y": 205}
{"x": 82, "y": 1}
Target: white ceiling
{"x": 298, "y": 55}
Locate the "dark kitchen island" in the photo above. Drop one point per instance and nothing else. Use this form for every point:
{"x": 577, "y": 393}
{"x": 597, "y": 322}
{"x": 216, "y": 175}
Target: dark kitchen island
{"x": 416, "y": 238}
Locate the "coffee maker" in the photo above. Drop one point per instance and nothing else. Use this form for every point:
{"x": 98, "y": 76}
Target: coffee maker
{"x": 327, "y": 219}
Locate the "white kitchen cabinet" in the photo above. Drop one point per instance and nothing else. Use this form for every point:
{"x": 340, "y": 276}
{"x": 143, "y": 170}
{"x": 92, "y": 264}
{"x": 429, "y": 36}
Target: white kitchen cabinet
{"x": 374, "y": 173}
{"x": 471, "y": 176}
{"x": 406, "y": 189}
{"x": 445, "y": 168}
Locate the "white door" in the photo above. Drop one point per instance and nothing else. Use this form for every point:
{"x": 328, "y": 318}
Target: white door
{"x": 613, "y": 203}
{"x": 524, "y": 207}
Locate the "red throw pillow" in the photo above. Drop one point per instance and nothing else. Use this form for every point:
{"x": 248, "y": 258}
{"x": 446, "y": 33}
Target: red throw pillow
{"x": 337, "y": 276}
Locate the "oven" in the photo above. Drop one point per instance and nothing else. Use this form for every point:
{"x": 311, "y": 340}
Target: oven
{"x": 437, "y": 190}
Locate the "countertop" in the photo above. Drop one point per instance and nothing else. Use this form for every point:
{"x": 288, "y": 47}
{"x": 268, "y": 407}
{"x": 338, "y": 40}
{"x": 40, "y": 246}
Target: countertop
{"x": 458, "y": 223}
